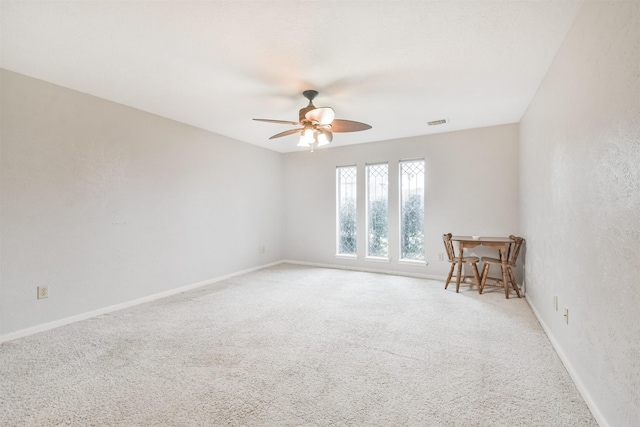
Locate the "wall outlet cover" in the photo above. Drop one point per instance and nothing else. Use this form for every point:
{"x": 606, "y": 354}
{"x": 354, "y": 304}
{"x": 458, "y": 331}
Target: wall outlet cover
{"x": 43, "y": 292}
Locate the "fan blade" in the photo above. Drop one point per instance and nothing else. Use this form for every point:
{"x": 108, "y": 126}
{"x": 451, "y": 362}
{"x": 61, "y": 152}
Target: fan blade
{"x": 287, "y": 132}
{"x": 348, "y": 126}
{"x": 284, "y": 122}
{"x": 322, "y": 115}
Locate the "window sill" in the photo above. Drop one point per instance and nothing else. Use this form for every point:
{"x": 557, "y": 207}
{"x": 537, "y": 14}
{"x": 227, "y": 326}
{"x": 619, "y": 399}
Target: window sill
{"x": 377, "y": 259}
{"x": 413, "y": 262}
{"x": 346, "y": 256}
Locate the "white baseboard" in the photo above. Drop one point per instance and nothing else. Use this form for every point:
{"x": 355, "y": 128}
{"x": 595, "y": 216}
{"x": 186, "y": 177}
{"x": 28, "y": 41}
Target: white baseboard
{"x": 368, "y": 270}
{"x": 72, "y": 319}
{"x": 572, "y": 372}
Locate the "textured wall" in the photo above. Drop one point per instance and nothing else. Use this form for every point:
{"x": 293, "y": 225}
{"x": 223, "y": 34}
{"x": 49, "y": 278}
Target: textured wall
{"x": 471, "y": 188}
{"x": 580, "y": 209}
{"x": 105, "y": 204}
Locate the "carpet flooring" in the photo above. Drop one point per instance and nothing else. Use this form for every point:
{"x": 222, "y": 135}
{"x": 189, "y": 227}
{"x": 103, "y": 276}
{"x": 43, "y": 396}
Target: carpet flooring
{"x": 296, "y": 346}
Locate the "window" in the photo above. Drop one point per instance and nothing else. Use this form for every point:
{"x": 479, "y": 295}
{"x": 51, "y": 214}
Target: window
{"x": 412, "y": 210}
{"x": 377, "y": 210}
{"x": 346, "y": 210}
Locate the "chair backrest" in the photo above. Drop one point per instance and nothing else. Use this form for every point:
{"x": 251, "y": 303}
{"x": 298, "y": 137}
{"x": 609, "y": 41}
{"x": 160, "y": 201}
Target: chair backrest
{"x": 448, "y": 246}
{"x": 514, "y": 249}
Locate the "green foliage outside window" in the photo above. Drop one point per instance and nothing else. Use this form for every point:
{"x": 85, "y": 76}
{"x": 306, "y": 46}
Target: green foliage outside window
{"x": 378, "y": 228}
{"x": 348, "y": 227}
{"x": 412, "y": 228}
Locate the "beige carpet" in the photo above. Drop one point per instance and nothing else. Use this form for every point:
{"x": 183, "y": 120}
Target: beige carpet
{"x": 296, "y": 346}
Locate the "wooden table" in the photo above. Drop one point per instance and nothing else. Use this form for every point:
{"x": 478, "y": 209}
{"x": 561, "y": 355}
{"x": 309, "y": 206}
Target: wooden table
{"x": 499, "y": 243}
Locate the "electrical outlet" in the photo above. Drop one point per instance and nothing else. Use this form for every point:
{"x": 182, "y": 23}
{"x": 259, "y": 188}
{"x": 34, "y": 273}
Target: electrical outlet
{"x": 261, "y": 249}
{"x": 440, "y": 256}
{"x": 43, "y": 292}
{"x": 566, "y": 315}
{"x": 555, "y": 302}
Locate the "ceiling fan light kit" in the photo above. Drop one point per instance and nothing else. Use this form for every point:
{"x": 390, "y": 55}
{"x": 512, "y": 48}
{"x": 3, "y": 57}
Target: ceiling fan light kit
{"x": 318, "y": 124}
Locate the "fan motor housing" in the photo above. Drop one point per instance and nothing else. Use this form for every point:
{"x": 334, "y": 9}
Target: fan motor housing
{"x": 304, "y": 111}
{"x": 309, "y": 94}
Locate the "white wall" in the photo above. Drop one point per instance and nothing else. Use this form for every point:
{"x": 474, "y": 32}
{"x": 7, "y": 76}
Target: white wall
{"x": 106, "y": 204}
{"x": 472, "y": 188}
{"x": 580, "y": 210}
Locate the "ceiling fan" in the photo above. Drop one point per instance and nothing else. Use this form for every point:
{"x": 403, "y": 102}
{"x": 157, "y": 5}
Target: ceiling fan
{"x": 317, "y": 124}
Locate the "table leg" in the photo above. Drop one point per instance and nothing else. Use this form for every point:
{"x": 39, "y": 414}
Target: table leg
{"x": 458, "y": 276}
{"x": 476, "y": 276}
{"x": 460, "y": 252}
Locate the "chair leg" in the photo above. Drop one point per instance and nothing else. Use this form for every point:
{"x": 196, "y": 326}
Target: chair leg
{"x": 485, "y": 274}
{"x": 476, "y": 275}
{"x": 513, "y": 282}
{"x": 449, "y": 276}
{"x": 505, "y": 280}
{"x": 459, "y": 277}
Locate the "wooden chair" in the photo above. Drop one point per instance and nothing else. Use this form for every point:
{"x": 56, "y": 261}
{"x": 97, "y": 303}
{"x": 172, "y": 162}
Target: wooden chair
{"x": 512, "y": 257}
{"x": 455, "y": 260}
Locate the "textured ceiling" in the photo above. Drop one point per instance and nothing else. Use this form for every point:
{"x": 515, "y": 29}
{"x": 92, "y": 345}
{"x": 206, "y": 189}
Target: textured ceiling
{"x": 217, "y": 64}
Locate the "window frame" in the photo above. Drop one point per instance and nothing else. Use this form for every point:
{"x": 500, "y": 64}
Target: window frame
{"x": 386, "y": 258}
{"x": 402, "y": 260}
{"x": 338, "y": 229}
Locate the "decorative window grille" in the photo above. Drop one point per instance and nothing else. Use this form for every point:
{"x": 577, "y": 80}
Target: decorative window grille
{"x": 377, "y": 210}
{"x": 346, "y": 210}
{"x": 412, "y": 210}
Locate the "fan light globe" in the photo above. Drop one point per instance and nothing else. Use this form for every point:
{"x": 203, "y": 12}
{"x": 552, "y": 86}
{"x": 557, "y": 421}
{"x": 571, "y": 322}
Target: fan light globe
{"x": 322, "y": 139}
{"x": 307, "y": 133}
{"x": 306, "y": 138}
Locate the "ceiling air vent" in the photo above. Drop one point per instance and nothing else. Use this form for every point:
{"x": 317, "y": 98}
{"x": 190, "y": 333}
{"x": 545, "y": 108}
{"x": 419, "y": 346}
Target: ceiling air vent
{"x": 437, "y": 122}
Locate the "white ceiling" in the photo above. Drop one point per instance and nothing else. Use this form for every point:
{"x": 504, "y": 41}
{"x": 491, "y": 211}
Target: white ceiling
{"x": 217, "y": 64}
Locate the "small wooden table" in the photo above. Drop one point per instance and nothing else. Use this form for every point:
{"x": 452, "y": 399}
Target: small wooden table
{"x": 499, "y": 243}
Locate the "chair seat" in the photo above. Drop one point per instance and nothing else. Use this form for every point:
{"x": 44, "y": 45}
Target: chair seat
{"x": 489, "y": 260}
{"x": 467, "y": 259}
